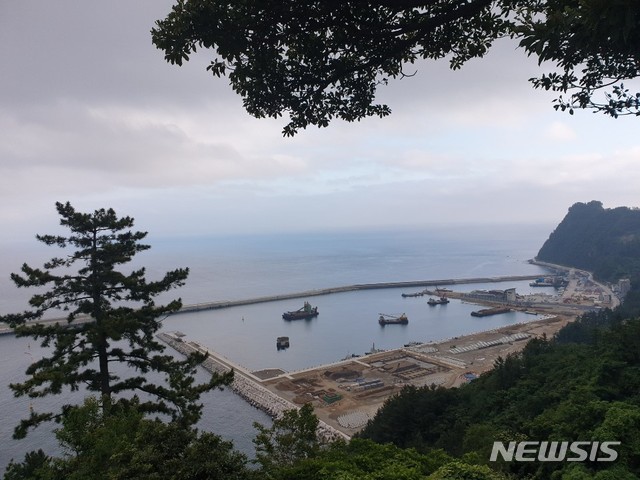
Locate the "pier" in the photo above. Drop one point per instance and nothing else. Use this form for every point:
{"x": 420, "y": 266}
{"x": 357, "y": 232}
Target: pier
{"x": 245, "y": 384}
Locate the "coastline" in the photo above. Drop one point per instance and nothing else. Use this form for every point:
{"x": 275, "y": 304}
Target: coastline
{"x": 449, "y": 362}
{"x": 347, "y": 393}
{"x": 225, "y": 279}
{"x": 245, "y": 384}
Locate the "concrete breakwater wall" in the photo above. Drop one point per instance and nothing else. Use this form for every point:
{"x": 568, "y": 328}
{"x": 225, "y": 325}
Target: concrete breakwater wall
{"x": 248, "y": 389}
{"x": 350, "y": 288}
{"x": 6, "y": 329}
{"x": 197, "y": 307}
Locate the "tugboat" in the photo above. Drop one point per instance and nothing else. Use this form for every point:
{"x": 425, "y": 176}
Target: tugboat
{"x": 282, "y": 343}
{"x": 440, "y": 301}
{"x": 385, "y": 319}
{"x": 304, "y": 313}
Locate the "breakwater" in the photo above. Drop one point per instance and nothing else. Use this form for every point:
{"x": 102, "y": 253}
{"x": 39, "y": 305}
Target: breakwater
{"x": 6, "y": 329}
{"x": 246, "y": 385}
{"x": 197, "y": 307}
{"x": 350, "y": 288}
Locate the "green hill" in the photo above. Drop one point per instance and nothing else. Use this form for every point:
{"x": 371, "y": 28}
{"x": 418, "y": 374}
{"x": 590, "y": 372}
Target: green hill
{"x": 605, "y": 241}
{"x": 582, "y": 385}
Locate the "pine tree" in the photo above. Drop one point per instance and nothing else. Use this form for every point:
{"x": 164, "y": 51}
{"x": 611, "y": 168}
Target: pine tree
{"x": 111, "y": 318}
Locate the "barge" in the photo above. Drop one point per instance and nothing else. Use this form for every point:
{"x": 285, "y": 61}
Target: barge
{"x": 490, "y": 311}
{"x": 304, "y": 313}
{"x": 385, "y": 319}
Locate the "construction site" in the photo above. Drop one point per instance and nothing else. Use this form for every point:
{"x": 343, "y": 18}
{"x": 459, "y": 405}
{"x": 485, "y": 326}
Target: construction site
{"x": 347, "y": 393}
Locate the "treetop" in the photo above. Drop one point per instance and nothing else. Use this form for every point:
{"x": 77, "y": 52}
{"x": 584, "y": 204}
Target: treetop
{"x": 321, "y": 60}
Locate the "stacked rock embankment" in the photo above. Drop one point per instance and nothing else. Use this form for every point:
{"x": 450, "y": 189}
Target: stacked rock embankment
{"x": 255, "y": 394}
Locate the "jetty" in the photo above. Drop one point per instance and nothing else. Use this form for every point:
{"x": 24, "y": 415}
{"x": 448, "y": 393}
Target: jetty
{"x": 245, "y": 384}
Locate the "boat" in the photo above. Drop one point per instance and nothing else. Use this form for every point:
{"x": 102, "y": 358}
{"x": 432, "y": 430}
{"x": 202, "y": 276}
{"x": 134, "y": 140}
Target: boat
{"x": 417, "y": 294}
{"x": 440, "y": 301}
{"x": 385, "y": 319}
{"x": 538, "y": 283}
{"x": 374, "y": 350}
{"x": 490, "y": 311}
{"x": 304, "y": 313}
{"x": 350, "y": 356}
{"x": 282, "y": 343}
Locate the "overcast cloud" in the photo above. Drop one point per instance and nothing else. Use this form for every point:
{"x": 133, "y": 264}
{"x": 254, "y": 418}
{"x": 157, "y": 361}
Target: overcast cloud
{"x": 91, "y": 113}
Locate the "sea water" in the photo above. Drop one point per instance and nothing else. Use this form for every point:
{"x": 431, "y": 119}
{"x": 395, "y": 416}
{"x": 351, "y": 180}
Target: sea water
{"x": 239, "y": 267}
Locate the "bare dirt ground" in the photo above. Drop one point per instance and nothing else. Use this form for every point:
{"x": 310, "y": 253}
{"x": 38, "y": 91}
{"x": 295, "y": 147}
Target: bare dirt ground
{"x": 345, "y": 395}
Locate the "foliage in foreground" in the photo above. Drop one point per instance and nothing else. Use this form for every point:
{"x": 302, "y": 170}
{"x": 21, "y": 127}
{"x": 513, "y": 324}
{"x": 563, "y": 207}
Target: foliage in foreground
{"x": 291, "y": 450}
{"x": 582, "y": 385}
{"x": 110, "y": 318}
{"x": 320, "y": 60}
{"x": 291, "y": 438}
{"x": 124, "y": 445}
{"x": 553, "y": 390}
{"x": 365, "y": 460}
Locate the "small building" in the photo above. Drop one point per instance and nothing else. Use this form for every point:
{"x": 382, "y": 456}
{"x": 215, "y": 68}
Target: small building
{"x": 508, "y": 295}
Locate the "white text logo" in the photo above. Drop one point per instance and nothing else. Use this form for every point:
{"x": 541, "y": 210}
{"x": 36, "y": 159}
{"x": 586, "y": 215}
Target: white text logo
{"x": 555, "y": 451}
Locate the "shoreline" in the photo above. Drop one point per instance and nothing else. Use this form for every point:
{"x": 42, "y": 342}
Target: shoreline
{"x": 347, "y": 393}
{"x": 434, "y": 363}
{"x": 445, "y": 363}
{"x": 245, "y": 385}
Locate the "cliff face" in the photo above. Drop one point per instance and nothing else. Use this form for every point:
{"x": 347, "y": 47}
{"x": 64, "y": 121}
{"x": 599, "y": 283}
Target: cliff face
{"x": 604, "y": 241}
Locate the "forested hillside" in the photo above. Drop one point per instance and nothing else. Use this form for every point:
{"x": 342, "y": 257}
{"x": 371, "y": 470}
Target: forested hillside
{"x": 584, "y": 384}
{"x": 605, "y": 241}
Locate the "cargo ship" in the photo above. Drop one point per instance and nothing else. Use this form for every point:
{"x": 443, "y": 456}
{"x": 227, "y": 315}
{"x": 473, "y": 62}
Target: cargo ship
{"x": 490, "y": 311}
{"x": 385, "y": 319}
{"x": 304, "y": 313}
{"x": 440, "y": 301}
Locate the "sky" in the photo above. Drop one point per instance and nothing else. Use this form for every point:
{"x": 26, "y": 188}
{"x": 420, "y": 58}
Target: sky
{"x": 91, "y": 113}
